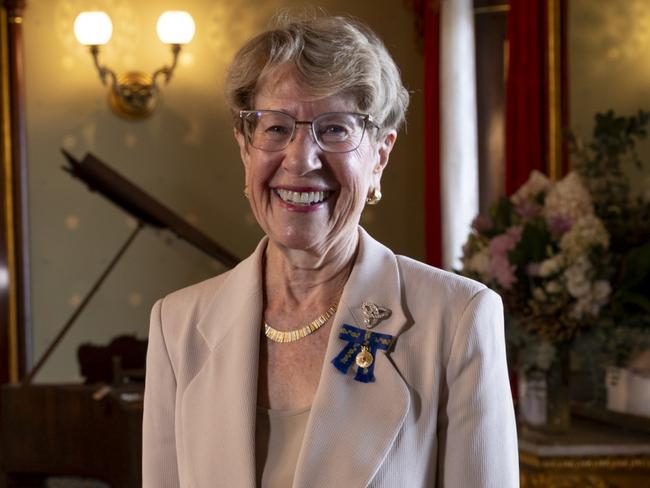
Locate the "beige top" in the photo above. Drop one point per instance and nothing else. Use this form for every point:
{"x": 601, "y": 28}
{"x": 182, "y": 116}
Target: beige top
{"x": 278, "y": 437}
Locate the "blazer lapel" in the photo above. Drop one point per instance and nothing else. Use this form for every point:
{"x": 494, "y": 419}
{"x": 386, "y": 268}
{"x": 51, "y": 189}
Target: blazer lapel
{"x": 219, "y": 404}
{"x": 352, "y": 425}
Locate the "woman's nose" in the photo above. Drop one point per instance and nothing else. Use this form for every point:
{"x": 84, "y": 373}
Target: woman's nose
{"x": 302, "y": 155}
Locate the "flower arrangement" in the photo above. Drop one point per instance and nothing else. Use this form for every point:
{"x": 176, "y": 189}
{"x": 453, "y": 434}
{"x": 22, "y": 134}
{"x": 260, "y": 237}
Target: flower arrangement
{"x": 571, "y": 257}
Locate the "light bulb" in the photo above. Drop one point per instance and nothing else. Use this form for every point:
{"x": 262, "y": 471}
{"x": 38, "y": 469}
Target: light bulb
{"x": 93, "y": 28}
{"x": 175, "y": 27}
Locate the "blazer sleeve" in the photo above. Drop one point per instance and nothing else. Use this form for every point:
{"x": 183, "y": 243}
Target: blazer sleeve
{"x": 159, "y": 462}
{"x": 477, "y": 430}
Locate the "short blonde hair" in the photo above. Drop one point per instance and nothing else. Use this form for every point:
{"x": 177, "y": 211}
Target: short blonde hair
{"x": 331, "y": 56}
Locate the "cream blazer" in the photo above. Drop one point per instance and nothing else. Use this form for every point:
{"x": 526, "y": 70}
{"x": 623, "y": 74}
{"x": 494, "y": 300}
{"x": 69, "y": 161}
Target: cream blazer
{"x": 438, "y": 414}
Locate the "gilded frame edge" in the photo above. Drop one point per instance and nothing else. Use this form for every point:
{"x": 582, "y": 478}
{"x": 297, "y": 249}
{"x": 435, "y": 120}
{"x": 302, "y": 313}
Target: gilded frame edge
{"x": 7, "y": 206}
{"x": 556, "y": 89}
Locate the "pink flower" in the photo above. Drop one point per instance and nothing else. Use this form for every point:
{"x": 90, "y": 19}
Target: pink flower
{"x": 503, "y": 271}
{"x": 559, "y": 225}
{"x": 500, "y": 246}
{"x": 527, "y": 210}
{"x": 507, "y": 241}
{"x": 532, "y": 269}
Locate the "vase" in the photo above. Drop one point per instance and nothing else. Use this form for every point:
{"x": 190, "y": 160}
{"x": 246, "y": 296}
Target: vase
{"x": 638, "y": 394}
{"x": 616, "y": 381}
{"x": 544, "y": 395}
{"x": 627, "y": 391}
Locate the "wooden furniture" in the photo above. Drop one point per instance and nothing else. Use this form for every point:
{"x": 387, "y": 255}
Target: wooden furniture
{"x": 591, "y": 455}
{"x": 80, "y": 430}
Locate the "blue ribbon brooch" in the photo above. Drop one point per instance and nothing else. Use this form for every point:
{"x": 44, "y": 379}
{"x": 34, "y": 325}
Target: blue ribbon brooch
{"x": 361, "y": 349}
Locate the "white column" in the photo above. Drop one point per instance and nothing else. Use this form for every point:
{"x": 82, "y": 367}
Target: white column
{"x": 458, "y": 142}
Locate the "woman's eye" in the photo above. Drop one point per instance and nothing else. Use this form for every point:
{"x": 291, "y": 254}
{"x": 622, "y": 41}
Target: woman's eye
{"x": 334, "y": 130}
{"x": 277, "y": 129}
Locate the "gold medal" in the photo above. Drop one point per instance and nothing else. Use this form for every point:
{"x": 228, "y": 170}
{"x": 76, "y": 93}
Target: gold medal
{"x": 364, "y": 359}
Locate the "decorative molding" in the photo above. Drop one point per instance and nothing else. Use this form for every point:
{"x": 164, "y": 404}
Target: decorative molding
{"x": 602, "y": 463}
{"x": 547, "y": 480}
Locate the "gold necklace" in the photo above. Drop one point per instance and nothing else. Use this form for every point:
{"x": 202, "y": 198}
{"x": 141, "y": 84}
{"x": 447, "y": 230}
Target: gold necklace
{"x": 297, "y": 334}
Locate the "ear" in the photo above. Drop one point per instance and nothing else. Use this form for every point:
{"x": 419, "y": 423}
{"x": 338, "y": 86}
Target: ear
{"x": 384, "y": 147}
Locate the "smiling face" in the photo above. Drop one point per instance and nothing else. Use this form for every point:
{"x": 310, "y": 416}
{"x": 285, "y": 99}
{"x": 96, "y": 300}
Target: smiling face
{"x": 303, "y": 197}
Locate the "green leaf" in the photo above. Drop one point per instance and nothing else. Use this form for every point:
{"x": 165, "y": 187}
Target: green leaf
{"x": 502, "y": 214}
{"x": 532, "y": 246}
{"x": 636, "y": 267}
{"x": 627, "y": 298}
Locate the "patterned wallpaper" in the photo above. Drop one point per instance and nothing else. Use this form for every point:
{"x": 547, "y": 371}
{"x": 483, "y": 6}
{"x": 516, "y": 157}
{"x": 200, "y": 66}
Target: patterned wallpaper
{"x": 184, "y": 155}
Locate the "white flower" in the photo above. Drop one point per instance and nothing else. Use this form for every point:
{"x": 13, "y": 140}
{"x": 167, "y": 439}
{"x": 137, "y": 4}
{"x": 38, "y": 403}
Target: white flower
{"x": 480, "y": 262}
{"x": 579, "y": 267}
{"x": 578, "y": 278}
{"x": 553, "y": 287}
{"x": 550, "y": 266}
{"x": 539, "y": 295}
{"x": 584, "y": 307}
{"x": 586, "y": 233}
{"x": 568, "y": 199}
{"x": 601, "y": 290}
{"x": 592, "y": 301}
{"x": 578, "y": 288}
{"x": 537, "y": 183}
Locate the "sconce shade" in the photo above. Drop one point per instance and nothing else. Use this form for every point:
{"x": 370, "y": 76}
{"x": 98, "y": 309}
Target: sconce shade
{"x": 175, "y": 27}
{"x": 93, "y": 28}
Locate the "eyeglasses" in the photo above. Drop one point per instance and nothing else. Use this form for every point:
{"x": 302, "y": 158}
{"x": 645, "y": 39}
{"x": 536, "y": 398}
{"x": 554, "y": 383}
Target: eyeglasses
{"x": 334, "y": 132}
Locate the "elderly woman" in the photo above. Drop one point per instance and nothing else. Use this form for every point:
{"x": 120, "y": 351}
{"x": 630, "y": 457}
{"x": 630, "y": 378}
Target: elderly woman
{"x": 323, "y": 359}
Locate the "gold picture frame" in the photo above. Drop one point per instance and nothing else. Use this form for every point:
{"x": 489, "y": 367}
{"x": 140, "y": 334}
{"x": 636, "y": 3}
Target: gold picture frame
{"x": 15, "y": 343}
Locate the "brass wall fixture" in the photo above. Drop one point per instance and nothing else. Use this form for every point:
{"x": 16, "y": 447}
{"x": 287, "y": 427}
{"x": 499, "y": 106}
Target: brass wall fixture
{"x": 134, "y": 94}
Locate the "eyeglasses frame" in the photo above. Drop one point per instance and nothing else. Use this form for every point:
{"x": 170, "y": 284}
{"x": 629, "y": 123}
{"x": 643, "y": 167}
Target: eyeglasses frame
{"x": 367, "y": 120}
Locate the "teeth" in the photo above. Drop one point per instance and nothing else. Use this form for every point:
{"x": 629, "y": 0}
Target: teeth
{"x": 302, "y": 197}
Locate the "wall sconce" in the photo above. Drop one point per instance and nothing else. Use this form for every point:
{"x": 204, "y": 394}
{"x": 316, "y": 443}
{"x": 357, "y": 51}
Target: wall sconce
{"x": 133, "y": 95}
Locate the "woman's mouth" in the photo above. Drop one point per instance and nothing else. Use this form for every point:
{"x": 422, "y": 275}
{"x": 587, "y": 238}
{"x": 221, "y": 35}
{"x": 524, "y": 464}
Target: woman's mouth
{"x": 302, "y": 198}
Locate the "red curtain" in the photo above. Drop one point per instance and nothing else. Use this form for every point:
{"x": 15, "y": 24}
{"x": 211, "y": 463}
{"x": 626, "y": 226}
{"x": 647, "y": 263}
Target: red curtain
{"x": 564, "y": 80}
{"x": 526, "y": 92}
{"x": 432, "y": 213}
